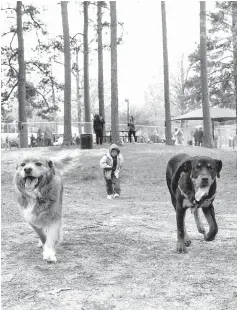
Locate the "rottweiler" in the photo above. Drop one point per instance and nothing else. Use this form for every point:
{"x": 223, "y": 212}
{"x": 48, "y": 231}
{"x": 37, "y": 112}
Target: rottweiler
{"x": 192, "y": 184}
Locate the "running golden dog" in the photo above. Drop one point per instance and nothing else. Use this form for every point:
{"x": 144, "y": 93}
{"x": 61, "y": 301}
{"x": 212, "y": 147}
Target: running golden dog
{"x": 38, "y": 192}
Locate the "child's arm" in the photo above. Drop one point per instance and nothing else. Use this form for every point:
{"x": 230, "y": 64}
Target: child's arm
{"x": 103, "y": 162}
{"x": 121, "y": 160}
{"x": 116, "y": 173}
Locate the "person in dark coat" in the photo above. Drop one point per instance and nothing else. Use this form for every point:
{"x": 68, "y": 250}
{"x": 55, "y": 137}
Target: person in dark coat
{"x": 196, "y": 136}
{"x": 132, "y": 130}
{"x": 98, "y": 124}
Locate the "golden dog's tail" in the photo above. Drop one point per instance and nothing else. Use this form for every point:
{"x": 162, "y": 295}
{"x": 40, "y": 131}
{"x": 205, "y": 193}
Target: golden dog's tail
{"x": 65, "y": 162}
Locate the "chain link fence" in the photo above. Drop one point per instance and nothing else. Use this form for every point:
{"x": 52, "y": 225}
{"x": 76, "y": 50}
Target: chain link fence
{"x": 224, "y": 136}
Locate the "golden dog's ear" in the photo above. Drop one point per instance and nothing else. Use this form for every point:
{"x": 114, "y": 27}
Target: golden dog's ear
{"x": 218, "y": 167}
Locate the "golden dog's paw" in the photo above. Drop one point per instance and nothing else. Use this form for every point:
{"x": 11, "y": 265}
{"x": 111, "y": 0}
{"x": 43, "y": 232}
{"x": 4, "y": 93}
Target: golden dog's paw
{"x": 181, "y": 248}
{"x": 49, "y": 255}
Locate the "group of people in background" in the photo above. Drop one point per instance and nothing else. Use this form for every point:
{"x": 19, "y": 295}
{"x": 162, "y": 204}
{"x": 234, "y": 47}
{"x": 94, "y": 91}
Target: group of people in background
{"x": 43, "y": 138}
{"x": 198, "y": 136}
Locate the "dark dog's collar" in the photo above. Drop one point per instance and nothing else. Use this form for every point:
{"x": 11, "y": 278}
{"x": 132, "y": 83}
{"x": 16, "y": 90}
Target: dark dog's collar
{"x": 198, "y": 204}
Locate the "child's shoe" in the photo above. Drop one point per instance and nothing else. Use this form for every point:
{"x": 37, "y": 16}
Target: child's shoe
{"x": 109, "y": 196}
{"x": 116, "y": 195}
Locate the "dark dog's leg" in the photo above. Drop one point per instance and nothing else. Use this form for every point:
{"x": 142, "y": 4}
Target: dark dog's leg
{"x": 213, "y": 228}
{"x": 187, "y": 240}
{"x": 40, "y": 232}
{"x": 180, "y": 217}
{"x": 199, "y": 224}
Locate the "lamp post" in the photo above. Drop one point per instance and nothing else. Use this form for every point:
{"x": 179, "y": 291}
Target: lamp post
{"x": 127, "y": 100}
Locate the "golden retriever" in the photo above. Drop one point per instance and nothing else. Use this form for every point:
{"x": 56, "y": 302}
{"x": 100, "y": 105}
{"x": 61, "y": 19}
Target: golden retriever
{"x": 38, "y": 192}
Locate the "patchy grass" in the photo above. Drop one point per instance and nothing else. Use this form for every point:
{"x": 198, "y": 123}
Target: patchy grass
{"x": 120, "y": 254}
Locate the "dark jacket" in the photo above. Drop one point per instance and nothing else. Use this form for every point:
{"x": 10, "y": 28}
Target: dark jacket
{"x": 98, "y": 123}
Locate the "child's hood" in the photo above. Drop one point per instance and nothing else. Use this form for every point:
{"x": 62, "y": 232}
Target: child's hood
{"x": 114, "y": 147}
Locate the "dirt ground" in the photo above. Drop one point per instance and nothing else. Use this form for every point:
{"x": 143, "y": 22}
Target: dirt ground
{"x": 120, "y": 254}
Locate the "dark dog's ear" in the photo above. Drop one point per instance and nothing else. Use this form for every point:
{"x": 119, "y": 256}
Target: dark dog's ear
{"x": 218, "y": 166}
{"x": 184, "y": 167}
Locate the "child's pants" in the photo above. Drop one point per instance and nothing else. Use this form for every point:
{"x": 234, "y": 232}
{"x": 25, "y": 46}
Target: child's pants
{"x": 113, "y": 185}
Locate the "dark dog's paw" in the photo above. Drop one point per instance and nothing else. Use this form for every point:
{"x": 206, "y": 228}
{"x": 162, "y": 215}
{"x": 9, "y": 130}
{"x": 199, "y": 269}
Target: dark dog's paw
{"x": 187, "y": 241}
{"x": 181, "y": 248}
{"x": 209, "y": 237}
{"x": 201, "y": 230}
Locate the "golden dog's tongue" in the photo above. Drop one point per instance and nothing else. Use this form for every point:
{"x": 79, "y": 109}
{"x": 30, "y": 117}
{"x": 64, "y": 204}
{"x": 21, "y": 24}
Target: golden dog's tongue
{"x": 30, "y": 184}
{"x": 201, "y": 192}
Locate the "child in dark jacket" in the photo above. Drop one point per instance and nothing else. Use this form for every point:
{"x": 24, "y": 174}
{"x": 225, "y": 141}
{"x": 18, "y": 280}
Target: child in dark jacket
{"x": 112, "y": 162}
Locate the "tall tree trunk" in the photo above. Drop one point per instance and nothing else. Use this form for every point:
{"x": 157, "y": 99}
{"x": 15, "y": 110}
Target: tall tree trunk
{"x": 78, "y": 92}
{"x": 88, "y": 127}
{"x": 100, "y": 62}
{"x": 182, "y": 84}
{"x": 234, "y": 36}
{"x": 168, "y": 134}
{"x": 67, "y": 76}
{"x": 207, "y": 126}
{"x": 114, "y": 78}
{"x": 22, "y": 127}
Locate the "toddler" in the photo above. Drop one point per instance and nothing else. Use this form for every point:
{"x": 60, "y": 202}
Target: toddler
{"x": 112, "y": 162}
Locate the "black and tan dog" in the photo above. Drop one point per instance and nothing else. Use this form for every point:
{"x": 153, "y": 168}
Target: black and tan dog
{"x": 192, "y": 184}
{"x": 38, "y": 193}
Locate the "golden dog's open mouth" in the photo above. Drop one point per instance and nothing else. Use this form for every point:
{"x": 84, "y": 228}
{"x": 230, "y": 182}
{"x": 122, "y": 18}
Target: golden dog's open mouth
{"x": 31, "y": 183}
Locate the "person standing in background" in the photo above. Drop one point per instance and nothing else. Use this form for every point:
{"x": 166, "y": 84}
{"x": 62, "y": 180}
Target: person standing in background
{"x": 178, "y": 135}
{"x": 48, "y": 136}
{"x": 132, "y": 130}
{"x": 98, "y": 125}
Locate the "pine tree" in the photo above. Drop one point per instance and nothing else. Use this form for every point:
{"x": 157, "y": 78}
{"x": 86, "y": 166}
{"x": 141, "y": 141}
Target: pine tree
{"x": 100, "y": 5}
{"x": 88, "y": 127}
{"x": 168, "y": 134}
{"x": 208, "y": 141}
{"x": 67, "y": 76}
{"x": 22, "y": 127}
{"x": 114, "y": 78}
{"x": 234, "y": 36}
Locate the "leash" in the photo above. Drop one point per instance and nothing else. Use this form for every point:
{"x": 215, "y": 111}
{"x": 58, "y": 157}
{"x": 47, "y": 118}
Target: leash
{"x": 195, "y": 204}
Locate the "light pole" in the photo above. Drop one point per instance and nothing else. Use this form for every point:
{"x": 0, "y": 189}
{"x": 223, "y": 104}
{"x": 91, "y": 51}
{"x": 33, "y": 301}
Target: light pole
{"x": 127, "y": 100}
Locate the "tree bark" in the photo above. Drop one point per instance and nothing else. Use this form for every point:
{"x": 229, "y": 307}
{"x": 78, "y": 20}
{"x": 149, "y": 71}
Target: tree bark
{"x": 22, "y": 126}
{"x": 78, "y": 92}
{"x": 100, "y": 62}
{"x": 208, "y": 139}
{"x": 67, "y": 76}
{"x": 88, "y": 127}
{"x": 234, "y": 36}
{"x": 168, "y": 134}
{"x": 114, "y": 78}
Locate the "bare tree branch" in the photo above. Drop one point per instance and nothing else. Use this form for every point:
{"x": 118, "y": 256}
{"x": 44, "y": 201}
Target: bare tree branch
{"x": 77, "y": 34}
{"x": 8, "y": 96}
{"x": 5, "y": 33}
{"x": 35, "y": 22}
{"x": 45, "y": 100}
